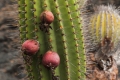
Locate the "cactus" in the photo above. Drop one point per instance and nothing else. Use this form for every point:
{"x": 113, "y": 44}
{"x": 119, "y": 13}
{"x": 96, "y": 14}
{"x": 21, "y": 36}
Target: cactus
{"x": 101, "y": 39}
{"x": 65, "y": 38}
{"x": 103, "y": 28}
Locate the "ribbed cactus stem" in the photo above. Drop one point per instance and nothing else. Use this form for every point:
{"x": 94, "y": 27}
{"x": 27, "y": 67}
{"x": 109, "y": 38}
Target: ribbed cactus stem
{"x": 40, "y": 6}
{"x": 105, "y": 23}
{"x": 100, "y": 26}
{"x": 65, "y": 38}
{"x": 30, "y": 29}
{"x": 101, "y": 38}
{"x": 22, "y": 19}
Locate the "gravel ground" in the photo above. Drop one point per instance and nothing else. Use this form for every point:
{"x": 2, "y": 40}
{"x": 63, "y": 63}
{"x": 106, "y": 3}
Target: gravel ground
{"x": 11, "y": 62}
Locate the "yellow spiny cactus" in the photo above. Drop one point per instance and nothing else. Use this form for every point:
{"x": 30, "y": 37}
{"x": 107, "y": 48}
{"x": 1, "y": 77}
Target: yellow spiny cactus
{"x": 105, "y": 24}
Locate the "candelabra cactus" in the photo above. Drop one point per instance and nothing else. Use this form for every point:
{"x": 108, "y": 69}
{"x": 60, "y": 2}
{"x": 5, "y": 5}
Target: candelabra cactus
{"x": 67, "y": 49}
{"x": 64, "y": 37}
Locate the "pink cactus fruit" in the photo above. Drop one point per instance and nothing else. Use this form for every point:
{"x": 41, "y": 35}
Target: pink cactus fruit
{"x": 51, "y": 59}
{"x": 47, "y": 17}
{"x": 30, "y": 47}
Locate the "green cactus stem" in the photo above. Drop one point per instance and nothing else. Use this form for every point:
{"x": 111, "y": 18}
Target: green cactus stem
{"x": 65, "y": 38}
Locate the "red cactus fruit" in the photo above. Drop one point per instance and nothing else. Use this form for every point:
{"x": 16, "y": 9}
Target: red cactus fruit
{"x": 47, "y": 17}
{"x": 51, "y": 59}
{"x": 30, "y": 47}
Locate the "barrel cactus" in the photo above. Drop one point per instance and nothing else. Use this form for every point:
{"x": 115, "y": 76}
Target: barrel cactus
{"x": 64, "y": 37}
{"x": 100, "y": 19}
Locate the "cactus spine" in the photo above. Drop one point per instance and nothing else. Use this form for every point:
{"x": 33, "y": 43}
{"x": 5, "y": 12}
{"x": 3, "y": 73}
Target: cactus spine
{"x": 65, "y": 38}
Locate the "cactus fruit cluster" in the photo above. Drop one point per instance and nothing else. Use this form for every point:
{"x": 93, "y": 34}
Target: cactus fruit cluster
{"x": 60, "y": 33}
{"x": 65, "y": 48}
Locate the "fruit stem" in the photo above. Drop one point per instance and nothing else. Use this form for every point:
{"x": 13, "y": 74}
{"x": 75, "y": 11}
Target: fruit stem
{"x": 52, "y": 71}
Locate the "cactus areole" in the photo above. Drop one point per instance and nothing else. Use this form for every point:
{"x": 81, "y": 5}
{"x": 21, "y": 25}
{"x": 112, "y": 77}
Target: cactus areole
{"x": 51, "y": 59}
{"x": 30, "y": 47}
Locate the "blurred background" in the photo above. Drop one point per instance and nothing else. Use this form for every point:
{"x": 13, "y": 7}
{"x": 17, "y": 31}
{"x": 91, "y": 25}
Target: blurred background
{"x": 11, "y": 62}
